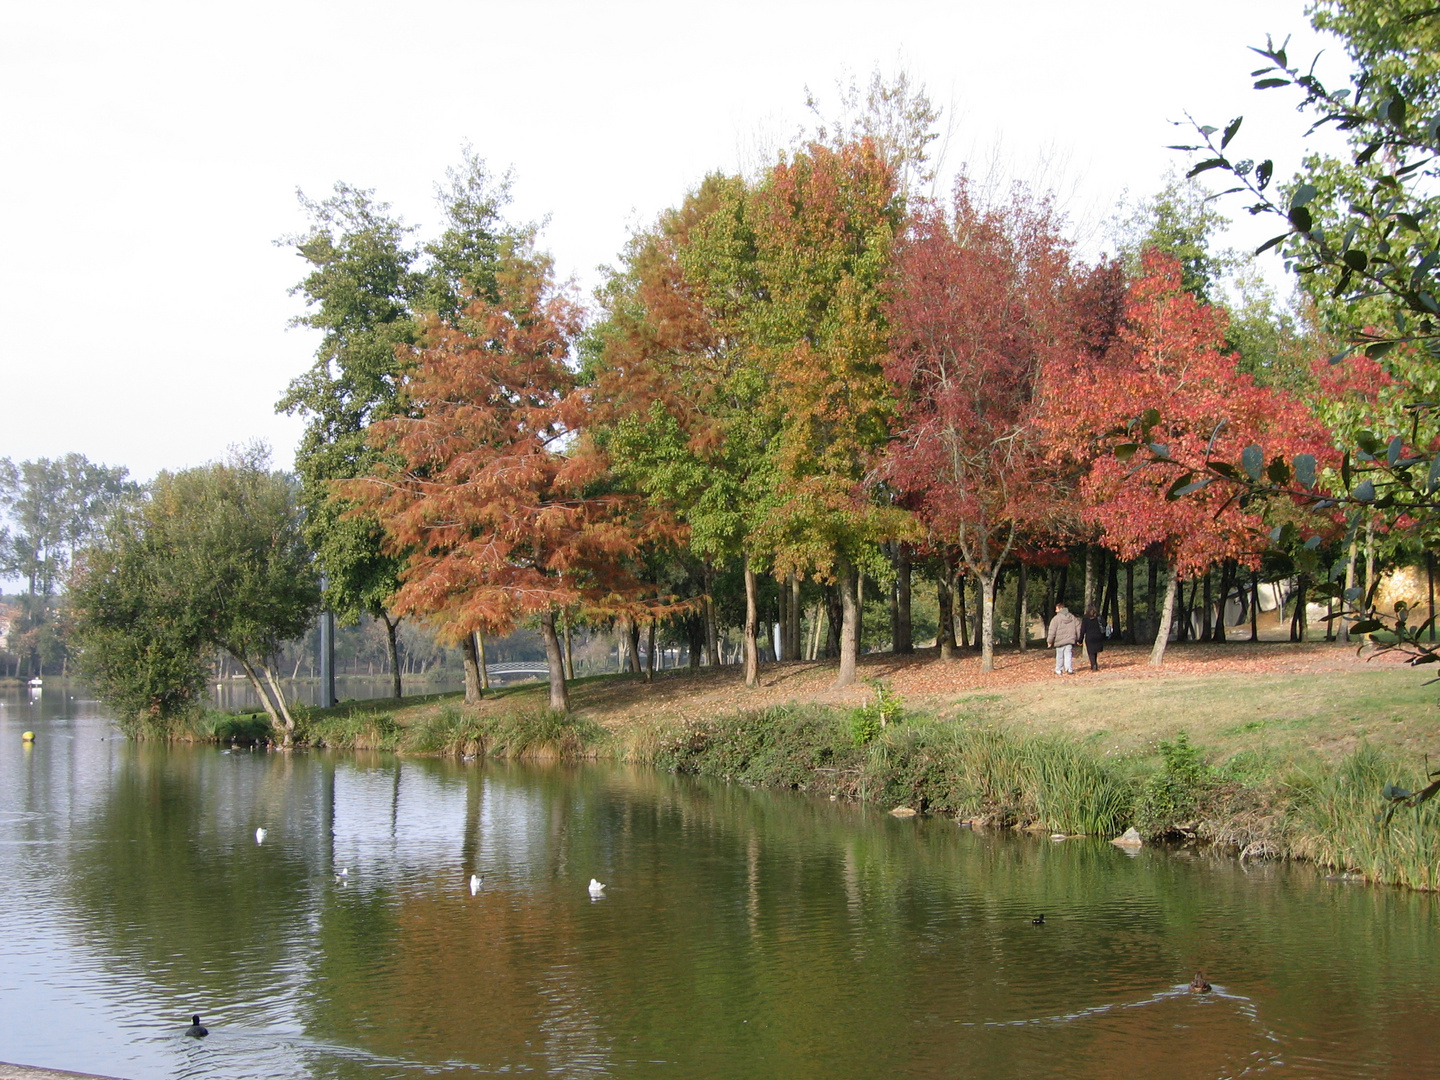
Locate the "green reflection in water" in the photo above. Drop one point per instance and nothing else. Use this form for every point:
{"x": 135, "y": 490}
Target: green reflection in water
{"x": 743, "y": 933}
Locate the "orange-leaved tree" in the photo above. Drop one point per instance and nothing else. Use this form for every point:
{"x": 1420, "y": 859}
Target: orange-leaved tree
{"x": 502, "y": 509}
{"x": 980, "y": 302}
{"x": 1153, "y": 414}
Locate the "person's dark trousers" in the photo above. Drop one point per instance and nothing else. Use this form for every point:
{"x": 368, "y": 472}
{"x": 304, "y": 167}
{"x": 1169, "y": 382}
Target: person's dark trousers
{"x": 1094, "y": 658}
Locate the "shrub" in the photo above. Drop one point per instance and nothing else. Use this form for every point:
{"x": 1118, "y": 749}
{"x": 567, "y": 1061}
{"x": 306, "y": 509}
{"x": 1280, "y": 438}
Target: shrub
{"x": 870, "y": 719}
{"x": 1173, "y": 798}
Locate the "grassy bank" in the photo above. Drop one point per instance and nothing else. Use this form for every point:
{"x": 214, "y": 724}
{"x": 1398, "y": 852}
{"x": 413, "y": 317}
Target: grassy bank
{"x": 1274, "y": 752}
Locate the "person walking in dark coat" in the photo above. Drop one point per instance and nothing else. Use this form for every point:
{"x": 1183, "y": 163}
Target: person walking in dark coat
{"x": 1093, "y": 635}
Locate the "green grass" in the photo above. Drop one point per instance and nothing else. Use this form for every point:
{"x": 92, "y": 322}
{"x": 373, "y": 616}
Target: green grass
{"x": 994, "y": 773}
{"x": 522, "y": 732}
{"x": 1332, "y": 821}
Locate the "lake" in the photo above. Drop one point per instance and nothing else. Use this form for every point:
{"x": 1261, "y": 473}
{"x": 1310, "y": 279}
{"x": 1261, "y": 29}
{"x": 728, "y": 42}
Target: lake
{"x": 741, "y": 934}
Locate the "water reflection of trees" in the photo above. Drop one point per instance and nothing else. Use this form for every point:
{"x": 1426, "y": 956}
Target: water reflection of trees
{"x": 170, "y": 885}
{"x": 740, "y": 927}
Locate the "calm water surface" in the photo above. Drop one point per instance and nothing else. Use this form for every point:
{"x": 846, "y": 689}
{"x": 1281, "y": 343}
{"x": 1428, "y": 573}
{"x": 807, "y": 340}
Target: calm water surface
{"x": 743, "y": 934}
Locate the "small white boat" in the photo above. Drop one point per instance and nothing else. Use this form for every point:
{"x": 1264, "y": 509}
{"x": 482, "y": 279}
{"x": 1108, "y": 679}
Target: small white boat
{"x": 36, "y": 683}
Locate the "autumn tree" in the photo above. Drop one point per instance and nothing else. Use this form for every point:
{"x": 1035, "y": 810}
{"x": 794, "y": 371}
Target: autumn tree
{"x": 676, "y": 389}
{"x": 1151, "y": 413}
{"x": 484, "y": 484}
{"x": 825, "y": 221}
{"x": 367, "y": 289}
{"x": 978, "y": 306}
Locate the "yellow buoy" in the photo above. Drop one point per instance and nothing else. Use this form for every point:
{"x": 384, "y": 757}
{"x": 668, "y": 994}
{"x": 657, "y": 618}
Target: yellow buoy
{"x": 28, "y": 736}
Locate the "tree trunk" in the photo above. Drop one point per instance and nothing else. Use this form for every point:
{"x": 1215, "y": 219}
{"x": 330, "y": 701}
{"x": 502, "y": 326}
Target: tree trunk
{"x": 1022, "y": 608}
{"x": 818, "y": 620}
{"x": 893, "y": 601}
{"x": 977, "y": 618}
{"x": 1254, "y": 606}
{"x": 782, "y": 645}
{"x": 859, "y": 616}
{"x": 752, "y": 626}
{"x": 1115, "y": 596}
{"x": 833, "y": 619}
{"x": 712, "y": 632}
{"x": 1130, "y": 601}
{"x": 569, "y": 651}
{"x": 650, "y": 651}
{"x": 1154, "y": 596}
{"x": 632, "y": 627}
{"x": 1103, "y": 585}
{"x": 280, "y": 703}
{"x": 473, "y": 691}
{"x": 905, "y": 644}
{"x": 985, "y": 605}
{"x": 559, "y": 696}
{"x": 945, "y": 634}
{"x": 963, "y": 617}
{"x": 392, "y": 633}
{"x": 260, "y": 691}
{"x": 849, "y": 622}
{"x": 1430, "y": 583}
{"x": 1167, "y": 613}
{"x": 1206, "y": 627}
{"x": 795, "y": 619}
{"x": 1299, "y": 624}
{"x": 695, "y": 638}
{"x": 1370, "y": 581}
{"x": 480, "y": 661}
{"x": 1088, "y": 601}
{"x": 1348, "y": 608}
{"x": 1227, "y": 584}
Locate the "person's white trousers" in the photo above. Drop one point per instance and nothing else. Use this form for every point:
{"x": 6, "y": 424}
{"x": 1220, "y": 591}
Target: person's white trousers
{"x": 1065, "y": 659}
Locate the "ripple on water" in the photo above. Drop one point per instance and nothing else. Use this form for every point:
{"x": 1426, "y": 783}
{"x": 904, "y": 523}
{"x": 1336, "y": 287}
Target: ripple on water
{"x": 743, "y": 934}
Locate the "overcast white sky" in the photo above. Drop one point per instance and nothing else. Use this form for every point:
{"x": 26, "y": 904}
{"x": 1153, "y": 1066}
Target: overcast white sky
{"x": 151, "y": 153}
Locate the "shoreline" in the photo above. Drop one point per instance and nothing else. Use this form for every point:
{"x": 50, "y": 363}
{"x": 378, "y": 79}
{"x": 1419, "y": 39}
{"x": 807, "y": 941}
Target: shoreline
{"x": 35, "y": 1072}
{"x": 1283, "y": 749}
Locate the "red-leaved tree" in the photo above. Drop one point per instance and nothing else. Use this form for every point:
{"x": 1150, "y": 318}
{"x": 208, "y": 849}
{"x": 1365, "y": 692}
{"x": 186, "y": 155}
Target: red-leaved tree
{"x": 979, "y": 304}
{"x": 1162, "y": 400}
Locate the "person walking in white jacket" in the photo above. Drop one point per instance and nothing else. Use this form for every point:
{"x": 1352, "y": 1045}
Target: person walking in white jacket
{"x": 1064, "y": 632}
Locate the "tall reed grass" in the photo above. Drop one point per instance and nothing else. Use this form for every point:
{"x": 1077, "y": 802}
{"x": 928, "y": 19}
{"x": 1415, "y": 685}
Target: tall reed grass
{"x": 1332, "y": 820}
{"x": 532, "y": 732}
{"x": 999, "y": 774}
